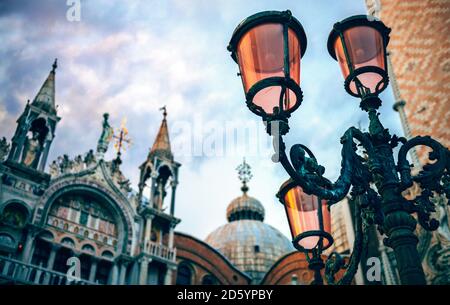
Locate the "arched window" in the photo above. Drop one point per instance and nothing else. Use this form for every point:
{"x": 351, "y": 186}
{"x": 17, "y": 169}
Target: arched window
{"x": 7, "y": 241}
{"x": 68, "y": 241}
{"x": 46, "y": 235}
{"x": 209, "y": 280}
{"x": 184, "y": 275}
{"x": 107, "y": 254}
{"x": 88, "y": 248}
{"x": 14, "y": 214}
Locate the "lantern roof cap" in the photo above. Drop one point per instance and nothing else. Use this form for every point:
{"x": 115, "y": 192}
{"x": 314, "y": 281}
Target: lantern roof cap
{"x": 353, "y": 21}
{"x": 264, "y": 18}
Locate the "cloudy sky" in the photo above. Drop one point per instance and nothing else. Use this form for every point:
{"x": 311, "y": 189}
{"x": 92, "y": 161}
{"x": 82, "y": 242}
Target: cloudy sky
{"x": 129, "y": 58}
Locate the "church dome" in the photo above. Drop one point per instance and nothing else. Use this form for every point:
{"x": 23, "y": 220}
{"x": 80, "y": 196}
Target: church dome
{"x": 250, "y": 244}
{"x": 245, "y": 207}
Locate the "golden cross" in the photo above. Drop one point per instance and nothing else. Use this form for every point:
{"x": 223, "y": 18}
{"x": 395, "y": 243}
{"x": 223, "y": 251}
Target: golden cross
{"x": 121, "y": 137}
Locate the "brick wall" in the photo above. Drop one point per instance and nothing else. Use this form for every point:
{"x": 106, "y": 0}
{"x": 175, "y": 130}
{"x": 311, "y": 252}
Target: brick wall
{"x": 420, "y": 54}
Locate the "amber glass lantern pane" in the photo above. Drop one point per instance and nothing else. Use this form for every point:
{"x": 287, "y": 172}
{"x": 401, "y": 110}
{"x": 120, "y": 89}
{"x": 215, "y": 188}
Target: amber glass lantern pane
{"x": 260, "y": 53}
{"x": 303, "y": 216}
{"x": 365, "y": 48}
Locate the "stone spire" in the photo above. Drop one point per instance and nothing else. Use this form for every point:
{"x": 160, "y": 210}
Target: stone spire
{"x": 45, "y": 99}
{"x": 161, "y": 146}
{"x": 36, "y": 126}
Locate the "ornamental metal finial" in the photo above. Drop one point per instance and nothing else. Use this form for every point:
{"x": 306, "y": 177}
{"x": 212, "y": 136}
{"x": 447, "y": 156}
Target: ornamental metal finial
{"x": 121, "y": 137}
{"x": 244, "y": 174}
{"x": 55, "y": 65}
{"x": 164, "y": 110}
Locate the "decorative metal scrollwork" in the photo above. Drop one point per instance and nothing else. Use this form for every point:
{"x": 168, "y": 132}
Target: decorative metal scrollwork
{"x": 362, "y": 176}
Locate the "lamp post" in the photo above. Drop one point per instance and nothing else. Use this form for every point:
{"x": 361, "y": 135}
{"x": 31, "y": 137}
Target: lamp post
{"x": 268, "y": 47}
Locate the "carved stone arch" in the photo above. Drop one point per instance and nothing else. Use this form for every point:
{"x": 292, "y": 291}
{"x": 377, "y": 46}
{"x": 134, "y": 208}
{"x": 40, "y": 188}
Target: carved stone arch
{"x": 125, "y": 216}
{"x": 7, "y": 240}
{"x": 190, "y": 267}
{"x": 46, "y": 235}
{"x": 165, "y": 171}
{"x": 40, "y": 125}
{"x": 17, "y": 201}
{"x": 85, "y": 245}
{"x": 20, "y": 206}
{"x": 146, "y": 171}
{"x": 72, "y": 243}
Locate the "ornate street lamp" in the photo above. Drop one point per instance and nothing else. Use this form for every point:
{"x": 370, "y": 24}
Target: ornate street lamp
{"x": 310, "y": 224}
{"x": 268, "y": 47}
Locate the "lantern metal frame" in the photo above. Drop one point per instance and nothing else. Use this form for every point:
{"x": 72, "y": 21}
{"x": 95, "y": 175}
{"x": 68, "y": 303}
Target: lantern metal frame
{"x": 338, "y": 33}
{"x": 375, "y": 182}
{"x": 286, "y": 19}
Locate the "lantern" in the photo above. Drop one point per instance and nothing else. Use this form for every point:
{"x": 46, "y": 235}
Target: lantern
{"x": 267, "y": 47}
{"x": 308, "y": 216}
{"x": 359, "y": 45}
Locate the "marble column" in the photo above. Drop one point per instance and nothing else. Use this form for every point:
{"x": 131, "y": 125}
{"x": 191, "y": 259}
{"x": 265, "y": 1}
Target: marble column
{"x": 123, "y": 273}
{"x": 114, "y": 274}
{"x": 28, "y": 249}
{"x": 172, "y": 201}
{"x": 148, "y": 230}
{"x": 143, "y": 272}
{"x": 52, "y": 256}
{"x": 93, "y": 271}
{"x": 171, "y": 236}
{"x": 169, "y": 274}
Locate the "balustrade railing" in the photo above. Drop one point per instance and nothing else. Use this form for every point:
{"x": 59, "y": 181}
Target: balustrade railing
{"x": 161, "y": 251}
{"x": 15, "y": 271}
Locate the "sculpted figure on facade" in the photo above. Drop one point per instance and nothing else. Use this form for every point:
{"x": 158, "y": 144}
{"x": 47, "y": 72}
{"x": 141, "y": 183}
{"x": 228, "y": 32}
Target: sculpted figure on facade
{"x": 32, "y": 149}
{"x": 4, "y": 149}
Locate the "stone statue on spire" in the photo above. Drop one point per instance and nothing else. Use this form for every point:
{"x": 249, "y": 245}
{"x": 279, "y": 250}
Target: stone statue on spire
{"x": 105, "y": 137}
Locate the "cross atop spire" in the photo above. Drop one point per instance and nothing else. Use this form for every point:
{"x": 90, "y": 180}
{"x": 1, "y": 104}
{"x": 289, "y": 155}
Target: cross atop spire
{"x": 244, "y": 174}
{"x": 121, "y": 138}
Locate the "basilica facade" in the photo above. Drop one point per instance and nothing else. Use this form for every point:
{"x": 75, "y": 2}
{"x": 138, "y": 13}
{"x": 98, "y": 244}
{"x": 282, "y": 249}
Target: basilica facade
{"x": 84, "y": 207}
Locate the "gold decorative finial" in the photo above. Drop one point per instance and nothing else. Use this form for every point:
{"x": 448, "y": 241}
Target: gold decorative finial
{"x": 121, "y": 137}
{"x": 244, "y": 174}
{"x": 55, "y": 65}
